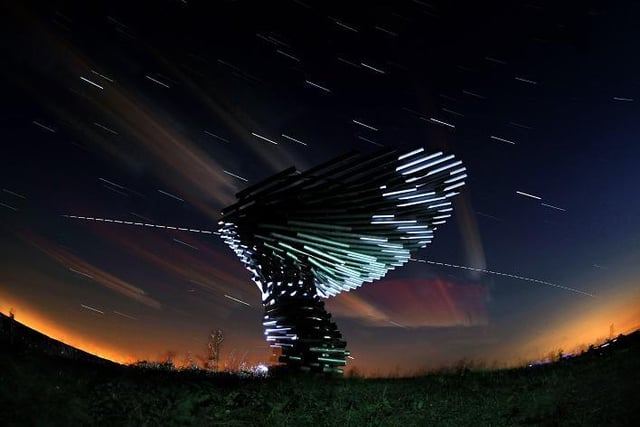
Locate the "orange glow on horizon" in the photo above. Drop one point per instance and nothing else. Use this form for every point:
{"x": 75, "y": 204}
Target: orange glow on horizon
{"x": 50, "y": 328}
{"x": 575, "y": 327}
{"x": 44, "y": 325}
{"x": 579, "y": 326}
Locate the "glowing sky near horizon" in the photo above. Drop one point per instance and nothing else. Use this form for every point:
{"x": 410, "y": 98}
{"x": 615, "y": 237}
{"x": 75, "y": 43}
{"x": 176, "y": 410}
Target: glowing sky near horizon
{"x": 160, "y": 114}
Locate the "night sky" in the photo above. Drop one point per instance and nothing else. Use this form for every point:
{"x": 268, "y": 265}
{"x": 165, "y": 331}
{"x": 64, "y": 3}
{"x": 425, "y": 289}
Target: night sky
{"x": 159, "y": 112}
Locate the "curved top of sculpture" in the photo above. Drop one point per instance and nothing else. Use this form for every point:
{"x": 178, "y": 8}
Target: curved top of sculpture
{"x": 344, "y": 222}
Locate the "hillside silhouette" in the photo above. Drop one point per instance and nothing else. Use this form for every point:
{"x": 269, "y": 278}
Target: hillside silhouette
{"x": 48, "y": 383}
{"x": 22, "y": 338}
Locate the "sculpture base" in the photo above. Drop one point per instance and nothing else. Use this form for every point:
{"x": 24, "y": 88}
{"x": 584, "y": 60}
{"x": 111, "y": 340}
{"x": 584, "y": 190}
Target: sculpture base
{"x": 303, "y": 329}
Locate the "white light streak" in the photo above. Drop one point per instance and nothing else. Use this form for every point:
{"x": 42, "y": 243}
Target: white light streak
{"x": 183, "y": 243}
{"x": 377, "y": 70}
{"x": 142, "y": 224}
{"x": 364, "y": 125}
{"x": 345, "y": 26}
{"x": 237, "y": 300}
{"x": 43, "y": 126}
{"x": 353, "y": 64}
{"x": 497, "y": 138}
{"x": 439, "y": 205}
{"x": 116, "y": 191}
{"x": 317, "y": 85}
{"x": 440, "y": 122}
{"x": 235, "y": 176}
{"x": 393, "y": 193}
{"x": 522, "y": 79}
{"x": 102, "y": 75}
{"x": 420, "y": 160}
{"x": 125, "y": 315}
{"x": 158, "y": 82}
{"x": 216, "y": 136}
{"x": 373, "y": 239}
{"x": 497, "y": 273}
{"x": 141, "y": 216}
{"x": 171, "y": 195}
{"x": 445, "y": 167}
{"x": 618, "y": 98}
{"x": 411, "y": 153}
{"x": 442, "y": 216}
{"x": 428, "y": 165}
{"x": 489, "y": 216}
{"x": 384, "y": 30}
{"x": 467, "y": 92}
{"x": 522, "y": 193}
{"x": 417, "y": 113}
{"x": 80, "y": 273}
{"x": 287, "y": 55}
{"x": 91, "y": 308}
{"x": 410, "y": 221}
{"x": 106, "y": 128}
{"x": 497, "y": 61}
{"x": 520, "y": 125}
{"x": 8, "y": 207}
{"x": 553, "y": 207}
{"x": 455, "y": 178}
{"x": 455, "y": 113}
{"x": 264, "y": 138}
{"x": 91, "y": 83}
{"x": 13, "y": 194}
{"x": 293, "y": 139}
{"x": 370, "y": 141}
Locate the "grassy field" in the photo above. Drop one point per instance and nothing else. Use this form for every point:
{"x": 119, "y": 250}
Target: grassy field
{"x": 599, "y": 388}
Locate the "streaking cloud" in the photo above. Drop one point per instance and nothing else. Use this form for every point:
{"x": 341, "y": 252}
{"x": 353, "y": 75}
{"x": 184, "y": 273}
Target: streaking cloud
{"x": 414, "y": 303}
{"x": 92, "y": 273}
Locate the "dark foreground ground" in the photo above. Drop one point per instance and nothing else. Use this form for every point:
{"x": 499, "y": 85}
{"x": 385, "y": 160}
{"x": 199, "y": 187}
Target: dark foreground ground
{"x": 599, "y": 388}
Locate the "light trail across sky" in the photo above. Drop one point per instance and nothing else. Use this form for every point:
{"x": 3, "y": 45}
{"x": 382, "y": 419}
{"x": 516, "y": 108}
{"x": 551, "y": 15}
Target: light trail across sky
{"x": 141, "y": 224}
{"x": 497, "y": 273}
{"x": 442, "y": 264}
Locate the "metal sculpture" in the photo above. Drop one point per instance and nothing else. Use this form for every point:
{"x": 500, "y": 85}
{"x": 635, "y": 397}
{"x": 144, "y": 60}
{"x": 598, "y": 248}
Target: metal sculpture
{"x": 314, "y": 234}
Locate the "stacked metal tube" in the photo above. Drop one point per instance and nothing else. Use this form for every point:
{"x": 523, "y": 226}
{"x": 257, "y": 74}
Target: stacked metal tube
{"x": 307, "y": 235}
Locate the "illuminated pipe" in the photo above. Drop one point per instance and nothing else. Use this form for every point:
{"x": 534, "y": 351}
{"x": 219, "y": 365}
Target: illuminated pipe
{"x": 420, "y": 160}
{"x": 457, "y": 178}
{"x": 411, "y": 153}
{"x": 451, "y": 187}
{"x": 415, "y": 196}
{"x": 428, "y": 165}
{"x": 393, "y": 193}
